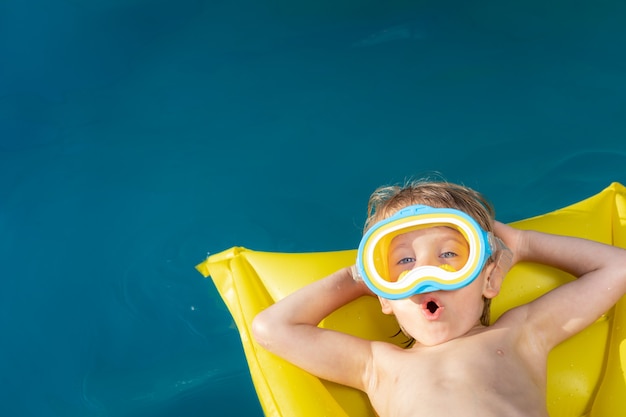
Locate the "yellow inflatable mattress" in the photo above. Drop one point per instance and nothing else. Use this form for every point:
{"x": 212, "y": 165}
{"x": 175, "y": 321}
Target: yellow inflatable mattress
{"x": 586, "y": 374}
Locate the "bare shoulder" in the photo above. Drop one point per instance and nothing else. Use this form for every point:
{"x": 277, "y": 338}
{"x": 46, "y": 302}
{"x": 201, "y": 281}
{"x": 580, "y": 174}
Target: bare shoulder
{"x": 516, "y": 326}
{"x": 512, "y": 320}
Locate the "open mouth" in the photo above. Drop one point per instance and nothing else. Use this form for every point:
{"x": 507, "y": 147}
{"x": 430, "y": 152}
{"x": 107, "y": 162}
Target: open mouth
{"x": 432, "y": 309}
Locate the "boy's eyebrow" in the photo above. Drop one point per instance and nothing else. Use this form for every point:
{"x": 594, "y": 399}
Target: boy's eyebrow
{"x": 456, "y": 237}
{"x": 397, "y": 247}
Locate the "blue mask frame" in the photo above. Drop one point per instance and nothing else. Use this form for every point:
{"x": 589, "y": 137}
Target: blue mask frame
{"x": 372, "y": 264}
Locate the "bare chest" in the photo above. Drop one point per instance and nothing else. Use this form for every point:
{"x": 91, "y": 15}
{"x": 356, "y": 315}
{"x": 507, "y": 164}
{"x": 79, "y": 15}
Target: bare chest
{"x": 482, "y": 377}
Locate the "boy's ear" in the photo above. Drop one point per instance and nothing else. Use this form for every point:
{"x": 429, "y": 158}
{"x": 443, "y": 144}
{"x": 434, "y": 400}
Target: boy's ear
{"x": 493, "y": 283}
{"x": 385, "y": 305}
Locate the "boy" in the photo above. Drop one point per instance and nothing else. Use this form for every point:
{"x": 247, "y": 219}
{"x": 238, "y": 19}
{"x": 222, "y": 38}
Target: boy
{"x": 430, "y": 255}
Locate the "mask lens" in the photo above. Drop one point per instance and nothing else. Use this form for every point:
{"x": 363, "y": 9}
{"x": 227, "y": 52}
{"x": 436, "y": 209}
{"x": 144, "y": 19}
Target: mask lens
{"x": 394, "y": 256}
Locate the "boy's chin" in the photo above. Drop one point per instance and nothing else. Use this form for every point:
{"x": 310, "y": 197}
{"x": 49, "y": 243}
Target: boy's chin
{"x": 429, "y": 340}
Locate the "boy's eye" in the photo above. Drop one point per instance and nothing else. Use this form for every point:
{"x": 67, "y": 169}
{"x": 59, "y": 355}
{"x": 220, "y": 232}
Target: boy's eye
{"x": 406, "y": 261}
{"x": 448, "y": 255}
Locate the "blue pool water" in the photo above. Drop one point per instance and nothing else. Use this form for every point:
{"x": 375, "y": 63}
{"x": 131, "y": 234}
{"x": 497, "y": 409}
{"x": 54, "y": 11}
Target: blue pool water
{"x": 136, "y": 136}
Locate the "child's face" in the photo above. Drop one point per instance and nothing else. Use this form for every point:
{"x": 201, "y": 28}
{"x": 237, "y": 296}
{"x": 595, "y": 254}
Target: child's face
{"x": 435, "y": 317}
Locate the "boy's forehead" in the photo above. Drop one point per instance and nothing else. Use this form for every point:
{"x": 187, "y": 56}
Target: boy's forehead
{"x": 438, "y": 232}
{"x": 390, "y": 212}
{"x": 437, "y": 229}
{"x": 447, "y": 229}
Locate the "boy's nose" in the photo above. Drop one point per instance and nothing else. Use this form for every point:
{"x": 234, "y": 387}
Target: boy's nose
{"x": 429, "y": 260}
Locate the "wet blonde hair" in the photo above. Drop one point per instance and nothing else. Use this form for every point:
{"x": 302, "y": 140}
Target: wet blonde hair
{"x": 385, "y": 201}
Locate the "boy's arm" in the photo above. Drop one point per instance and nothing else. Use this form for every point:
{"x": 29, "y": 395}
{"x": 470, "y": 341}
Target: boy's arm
{"x": 289, "y": 329}
{"x": 566, "y": 310}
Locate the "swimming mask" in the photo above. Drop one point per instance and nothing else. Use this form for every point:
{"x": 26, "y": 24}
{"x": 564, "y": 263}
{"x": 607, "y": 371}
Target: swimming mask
{"x": 372, "y": 257}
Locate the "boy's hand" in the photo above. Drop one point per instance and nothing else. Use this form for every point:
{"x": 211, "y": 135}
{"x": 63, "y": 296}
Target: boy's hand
{"x": 512, "y": 238}
{"x": 353, "y": 272}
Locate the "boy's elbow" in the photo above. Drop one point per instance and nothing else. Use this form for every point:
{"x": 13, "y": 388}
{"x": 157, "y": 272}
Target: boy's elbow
{"x": 273, "y": 331}
{"x": 261, "y": 329}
